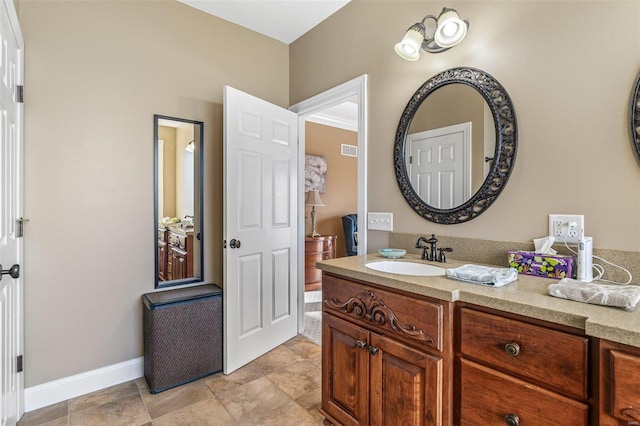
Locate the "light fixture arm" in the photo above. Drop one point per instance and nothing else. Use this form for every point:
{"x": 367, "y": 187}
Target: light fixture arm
{"x": 429, "y": 44}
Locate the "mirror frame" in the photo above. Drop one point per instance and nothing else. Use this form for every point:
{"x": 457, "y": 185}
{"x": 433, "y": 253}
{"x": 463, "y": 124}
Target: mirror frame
{"x": 504, "y": 118}
{"x": 200, "y": 194}
{"x": 635, "y": 118}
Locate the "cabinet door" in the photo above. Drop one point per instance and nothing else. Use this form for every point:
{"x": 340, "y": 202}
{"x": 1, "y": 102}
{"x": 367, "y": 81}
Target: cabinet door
{"x": 179, "y": 264}
{"x": 625, "y": 392}
{"x": 406, "y": 384}
{"x": 345, "y": 371}
{"x": 162, "y": 259}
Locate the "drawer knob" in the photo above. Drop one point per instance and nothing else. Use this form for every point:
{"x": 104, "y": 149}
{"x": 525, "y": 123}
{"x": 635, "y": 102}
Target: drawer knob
{"x": 512, "y": 349}
{"x": 361, "y": 344}
{"x": 373, "y": 350}
{"x": 511, "y": 420}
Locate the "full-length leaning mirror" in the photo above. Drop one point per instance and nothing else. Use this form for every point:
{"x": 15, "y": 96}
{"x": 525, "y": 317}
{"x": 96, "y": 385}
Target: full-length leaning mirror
{"x": 178, "y": 197}
{"x": 455, "y": 145}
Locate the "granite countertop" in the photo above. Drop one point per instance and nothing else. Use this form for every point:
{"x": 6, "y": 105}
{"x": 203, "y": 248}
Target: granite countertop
{"x": 527, "y": 296}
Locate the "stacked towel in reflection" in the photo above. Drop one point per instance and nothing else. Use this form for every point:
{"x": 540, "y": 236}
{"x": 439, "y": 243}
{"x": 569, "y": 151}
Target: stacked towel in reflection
{"x": 483, "y": 275}
{"x": 620, "y": 296}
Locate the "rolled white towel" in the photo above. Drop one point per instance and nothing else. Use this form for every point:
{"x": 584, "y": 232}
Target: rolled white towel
{"x": 483, "y": 275}
{"x": 620, "y": 296}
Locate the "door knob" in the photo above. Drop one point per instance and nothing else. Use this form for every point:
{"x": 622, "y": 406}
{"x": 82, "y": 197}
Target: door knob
{"x": 234, "y": 243}
{"x": 14, "y": 271}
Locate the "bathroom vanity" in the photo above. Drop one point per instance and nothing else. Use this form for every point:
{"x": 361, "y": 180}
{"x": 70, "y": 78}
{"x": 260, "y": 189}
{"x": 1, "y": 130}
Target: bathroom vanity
{"x": 401, "y": 349}
{"x": 175, "y": 253}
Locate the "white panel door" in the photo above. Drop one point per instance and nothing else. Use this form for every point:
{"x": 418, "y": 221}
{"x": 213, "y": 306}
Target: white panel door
{"x": 440, "y": 165}
{"x": 260, "y": 227}
{"x": 11, "y": 292}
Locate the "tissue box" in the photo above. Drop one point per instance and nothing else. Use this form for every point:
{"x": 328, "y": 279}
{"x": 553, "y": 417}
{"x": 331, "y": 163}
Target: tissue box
{"x": 542, "y": 265}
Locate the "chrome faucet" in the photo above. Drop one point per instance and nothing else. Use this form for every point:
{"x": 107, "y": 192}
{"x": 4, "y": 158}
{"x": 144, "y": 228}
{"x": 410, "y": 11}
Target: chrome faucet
{"x": 422, "y": 243}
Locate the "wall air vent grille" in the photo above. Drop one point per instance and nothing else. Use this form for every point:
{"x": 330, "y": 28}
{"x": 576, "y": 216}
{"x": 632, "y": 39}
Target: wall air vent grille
{"x": 349, "y": 150}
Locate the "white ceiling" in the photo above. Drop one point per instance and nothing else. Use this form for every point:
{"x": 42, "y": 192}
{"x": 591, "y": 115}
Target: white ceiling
{"x": 284, "y": 20}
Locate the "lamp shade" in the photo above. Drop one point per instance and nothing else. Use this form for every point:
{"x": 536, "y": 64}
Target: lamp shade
{"x": 409, "y": 47}
{"x": 313, "y": 198}
{"x": 451, "y": 29}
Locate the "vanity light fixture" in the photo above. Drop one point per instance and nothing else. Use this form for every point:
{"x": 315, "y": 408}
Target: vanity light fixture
{"x": 449, "y": 31}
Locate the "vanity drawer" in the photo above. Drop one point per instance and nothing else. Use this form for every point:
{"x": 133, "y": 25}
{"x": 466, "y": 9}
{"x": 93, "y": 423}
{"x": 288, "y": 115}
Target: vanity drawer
{"x": 550, "y": 358}
{"x": 488, "y": 397}
{"x": 411, "y": 319}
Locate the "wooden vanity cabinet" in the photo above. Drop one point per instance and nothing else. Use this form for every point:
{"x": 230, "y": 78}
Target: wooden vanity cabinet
{"x": 178, "y": 262}
{"x": 387, "y": 356}
{"x": 514, "y": 370}
{"x": 619, "y": 384}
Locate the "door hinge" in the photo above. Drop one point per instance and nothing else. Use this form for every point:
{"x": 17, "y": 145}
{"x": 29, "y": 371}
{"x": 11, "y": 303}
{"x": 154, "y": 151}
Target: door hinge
{"x": 20, "y": 227}
{"x": 19, "y": 364}
{"x": 20, "y": 93}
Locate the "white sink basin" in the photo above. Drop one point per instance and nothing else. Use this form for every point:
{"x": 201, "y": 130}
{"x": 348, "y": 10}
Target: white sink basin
{"x": 405, "y": 268}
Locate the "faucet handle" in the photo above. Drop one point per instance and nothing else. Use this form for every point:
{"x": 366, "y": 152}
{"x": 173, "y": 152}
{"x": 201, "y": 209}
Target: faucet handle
{"x": 442, "y": 257}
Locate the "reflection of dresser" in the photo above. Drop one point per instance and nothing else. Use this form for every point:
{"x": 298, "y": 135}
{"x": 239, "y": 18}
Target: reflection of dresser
{"x": 316, "y": 249}
{"x": 175, "y": 254}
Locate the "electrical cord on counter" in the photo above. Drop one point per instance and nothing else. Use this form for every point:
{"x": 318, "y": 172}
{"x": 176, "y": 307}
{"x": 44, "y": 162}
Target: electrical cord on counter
{"x": 598, "y": 268}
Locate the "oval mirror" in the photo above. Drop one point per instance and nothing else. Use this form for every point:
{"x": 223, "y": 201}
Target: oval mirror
{"x": 635, "y": 117}
{"x": 178, "y": 200}
{"x": 455, "y": 145}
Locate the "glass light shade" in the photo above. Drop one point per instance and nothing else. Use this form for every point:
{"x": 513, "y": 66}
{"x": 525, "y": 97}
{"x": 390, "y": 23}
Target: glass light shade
{"x": 451, "y": 29}
{"x": 409, "y": 47}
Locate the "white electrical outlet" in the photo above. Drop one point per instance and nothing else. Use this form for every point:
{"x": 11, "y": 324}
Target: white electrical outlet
{"x": 380, "y": 221}
{"x": 559, "y": 227}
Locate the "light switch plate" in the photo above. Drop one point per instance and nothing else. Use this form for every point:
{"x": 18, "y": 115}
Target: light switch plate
{"x": 380, "y": 221}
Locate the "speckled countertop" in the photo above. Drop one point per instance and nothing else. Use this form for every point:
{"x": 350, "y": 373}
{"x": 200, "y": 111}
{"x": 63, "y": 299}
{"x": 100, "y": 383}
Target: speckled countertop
{"x": 527, "y": 296}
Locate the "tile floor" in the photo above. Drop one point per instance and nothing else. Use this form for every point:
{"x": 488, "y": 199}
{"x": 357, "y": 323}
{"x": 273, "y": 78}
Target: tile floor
{"x": 280, "y": 388}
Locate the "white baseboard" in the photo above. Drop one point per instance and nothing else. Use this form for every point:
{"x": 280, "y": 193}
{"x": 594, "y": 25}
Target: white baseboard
{"x": 90, "y": 381}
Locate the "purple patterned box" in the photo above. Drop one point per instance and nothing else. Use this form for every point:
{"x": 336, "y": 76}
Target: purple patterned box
{"x": 542, "y": 265}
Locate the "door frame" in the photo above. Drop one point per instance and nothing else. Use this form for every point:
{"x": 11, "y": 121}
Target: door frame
{"x": 356, "y": 87}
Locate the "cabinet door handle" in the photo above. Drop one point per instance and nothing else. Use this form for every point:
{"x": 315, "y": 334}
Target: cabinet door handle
{"x": 512, "y": 349}
{"x": 361, "y": 344}
{"x": 373, "y": 350}
{"x": 511, "y": 420}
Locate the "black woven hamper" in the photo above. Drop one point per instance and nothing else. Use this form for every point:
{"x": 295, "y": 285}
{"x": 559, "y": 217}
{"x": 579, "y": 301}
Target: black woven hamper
{"x": 182, "y": 335}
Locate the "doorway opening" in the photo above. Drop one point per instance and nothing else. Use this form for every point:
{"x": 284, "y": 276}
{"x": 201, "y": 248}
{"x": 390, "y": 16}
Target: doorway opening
{"x": 332, "y": 152}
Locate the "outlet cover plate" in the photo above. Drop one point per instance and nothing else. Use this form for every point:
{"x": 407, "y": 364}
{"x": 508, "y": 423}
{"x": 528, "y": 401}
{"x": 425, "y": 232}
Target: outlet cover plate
{"x": 380, "y": 221}
{"x": 558, "y": 227}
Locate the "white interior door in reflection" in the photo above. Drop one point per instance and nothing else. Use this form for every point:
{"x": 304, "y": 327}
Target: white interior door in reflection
{"x": 440, "y": 165}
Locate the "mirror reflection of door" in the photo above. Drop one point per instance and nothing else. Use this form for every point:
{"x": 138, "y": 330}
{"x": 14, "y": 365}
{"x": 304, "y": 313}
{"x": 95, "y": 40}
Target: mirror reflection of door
{"x": 178, "y": 210}
{"x": 440, "y": 165}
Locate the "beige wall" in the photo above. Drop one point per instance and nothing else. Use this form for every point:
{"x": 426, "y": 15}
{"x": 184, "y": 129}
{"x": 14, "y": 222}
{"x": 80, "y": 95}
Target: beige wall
{"x": 341, "y": 197}
{"x": 95, "y": 73}
{"x": 570, "y": 81}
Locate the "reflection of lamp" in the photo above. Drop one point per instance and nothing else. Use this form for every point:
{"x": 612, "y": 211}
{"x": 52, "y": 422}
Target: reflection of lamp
{"x": 313, "y": 199}
{"x": 449, "y": 31}
{"x": 191, "y": 146}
